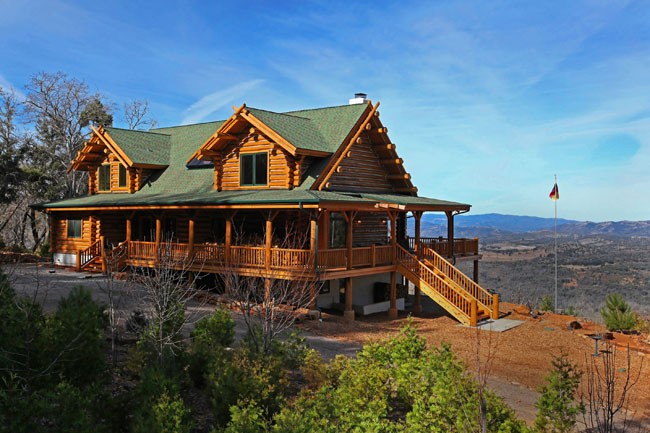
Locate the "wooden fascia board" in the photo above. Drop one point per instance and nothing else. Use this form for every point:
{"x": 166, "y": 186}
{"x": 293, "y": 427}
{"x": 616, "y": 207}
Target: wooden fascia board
{"x": 152, "y": 166}
{"x": 316, "y": 153}
{"x": 267, "y": 130}
{"x": 213, "y": 140}
{"x": 343, "y": 150}
{"x": 113, "y": 147}
{"x": 185, "y": 207}
{"x": 76, "y": 163}
{"x": 440, "y": 208}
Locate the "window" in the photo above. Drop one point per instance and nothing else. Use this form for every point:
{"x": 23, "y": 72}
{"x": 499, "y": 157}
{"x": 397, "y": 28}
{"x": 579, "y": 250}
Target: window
{"x": 254, "y": 168}
{"x": 337, "y": 230}
{"x": 121, "y": 176}
{"x": 104, "y": 177}
{"x": 74, "y": 228}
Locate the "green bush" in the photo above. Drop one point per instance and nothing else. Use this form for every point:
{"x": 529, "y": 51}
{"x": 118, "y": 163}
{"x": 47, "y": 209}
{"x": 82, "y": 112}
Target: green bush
{"x": 617, "y": 314}
{"x": 77, "y": 336}
{"x": 547, "y": 304}
{"x": 210, "y": 337}
{"x": 44, "y": 250}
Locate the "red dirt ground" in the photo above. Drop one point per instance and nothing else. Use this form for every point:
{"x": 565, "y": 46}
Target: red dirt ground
{"x": 521, "y": 356}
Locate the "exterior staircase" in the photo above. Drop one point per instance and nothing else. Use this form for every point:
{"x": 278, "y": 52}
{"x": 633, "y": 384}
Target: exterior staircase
{"x": 448, "y": 286}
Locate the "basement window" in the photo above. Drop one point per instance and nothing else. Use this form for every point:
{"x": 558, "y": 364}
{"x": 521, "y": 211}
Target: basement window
{"x": 74, "y": 228}
{"x": 254, "y": 169}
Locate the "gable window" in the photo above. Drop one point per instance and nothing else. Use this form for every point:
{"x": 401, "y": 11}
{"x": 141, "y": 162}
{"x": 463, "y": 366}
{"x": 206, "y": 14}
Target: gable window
{"x": 74, "y": 228}
{"x": 104, "y": 177}
{"x": 254, "y": 169}
{"x": 121, "y": 176}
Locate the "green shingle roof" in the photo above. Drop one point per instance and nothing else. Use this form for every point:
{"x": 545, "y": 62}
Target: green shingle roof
{"x": 323, "y": 129}
{"x": 142, "y": 147}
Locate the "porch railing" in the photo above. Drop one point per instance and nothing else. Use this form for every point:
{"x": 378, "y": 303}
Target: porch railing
{"x": 462, "y": 246}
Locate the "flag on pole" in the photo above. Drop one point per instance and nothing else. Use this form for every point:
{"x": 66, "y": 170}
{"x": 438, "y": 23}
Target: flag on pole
{"x": 555, "y": 193}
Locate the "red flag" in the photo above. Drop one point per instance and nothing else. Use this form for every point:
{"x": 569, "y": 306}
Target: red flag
{"x": 555, "y": 193}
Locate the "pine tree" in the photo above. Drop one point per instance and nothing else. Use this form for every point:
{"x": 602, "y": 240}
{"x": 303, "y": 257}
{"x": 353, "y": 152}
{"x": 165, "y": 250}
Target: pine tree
{"x": 557, "y": 408}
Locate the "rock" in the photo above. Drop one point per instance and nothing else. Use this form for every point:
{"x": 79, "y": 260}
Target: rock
{"x": 574, "y": 324}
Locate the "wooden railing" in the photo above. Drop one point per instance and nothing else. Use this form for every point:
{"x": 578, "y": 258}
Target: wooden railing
{"x": 462, "y": 246}
{"x": 458, "y": 303}
{"x": 284, "y": 258}
{"x": 210, "y": 254}
{"x": 141, "y": 250}
{"x": 485, "y": 299}
{"x": 116, "y": 258}
{"x": 84, "y": 257}
{"x": 334, "y": 258}
{"x": 253, "y": 257}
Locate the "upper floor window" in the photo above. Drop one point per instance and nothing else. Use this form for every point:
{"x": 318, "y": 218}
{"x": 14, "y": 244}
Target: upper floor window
{"x": 121, "y": 176}
{"x": 254, "y": 168}
{"x": 74, "y": 228}
{"x": 104, "y": 177}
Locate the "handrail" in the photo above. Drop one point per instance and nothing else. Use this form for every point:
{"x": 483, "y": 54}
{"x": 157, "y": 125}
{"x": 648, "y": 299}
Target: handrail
{"x": 485, "y": 299}
{"x": 458, "y": 302}
{"x": 115, "y": 258}
{"x": 84, "y": 257}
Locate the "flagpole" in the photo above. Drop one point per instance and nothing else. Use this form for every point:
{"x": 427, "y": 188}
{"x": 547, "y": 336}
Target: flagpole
{"x": 555, "y": 203}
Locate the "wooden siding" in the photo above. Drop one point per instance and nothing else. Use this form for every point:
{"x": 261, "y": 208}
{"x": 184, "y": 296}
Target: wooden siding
{"x": 361, "y": 170}
{"x": 281, "y": 166}
{"x": 133, "y": 177}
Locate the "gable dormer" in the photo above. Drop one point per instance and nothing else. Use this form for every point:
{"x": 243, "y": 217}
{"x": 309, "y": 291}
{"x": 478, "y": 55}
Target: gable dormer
{"x": 120, "y": 160}
{"x": 257, "y": 149}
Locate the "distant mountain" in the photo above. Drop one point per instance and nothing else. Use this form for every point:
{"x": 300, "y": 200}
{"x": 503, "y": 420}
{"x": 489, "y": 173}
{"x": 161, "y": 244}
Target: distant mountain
{"x": 494, "y": 225}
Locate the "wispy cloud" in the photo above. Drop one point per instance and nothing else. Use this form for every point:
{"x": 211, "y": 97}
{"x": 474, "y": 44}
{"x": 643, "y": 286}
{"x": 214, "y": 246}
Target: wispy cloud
{"x": 8, "y": 87}
{"x": 207, "y": 105}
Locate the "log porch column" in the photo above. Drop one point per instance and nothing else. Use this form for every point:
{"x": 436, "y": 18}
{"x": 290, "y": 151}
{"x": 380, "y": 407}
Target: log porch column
{"x": 313, "y": 244}
{"x": 392, "y": 312}
{"x": 417, "y": 302}
{"x": 228, "y": 241}
{"x": 450, "y": 233}
{"x": 190, "y": 238}
{"x": 348, "y": 313}
{"x": 476, "y": 271}
{"x": 349, "y": 219}
{"x": 158, "y": 233}
{"x": 129, "y": 229}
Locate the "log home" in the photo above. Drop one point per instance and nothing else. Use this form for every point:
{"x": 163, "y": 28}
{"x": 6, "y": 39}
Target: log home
{"x": 224, "y": 197}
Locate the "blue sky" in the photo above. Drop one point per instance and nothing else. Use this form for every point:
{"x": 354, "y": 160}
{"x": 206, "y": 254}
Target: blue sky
{"x": 486, "y": 101}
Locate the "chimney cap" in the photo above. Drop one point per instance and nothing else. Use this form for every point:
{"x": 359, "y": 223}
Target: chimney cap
{"x": 359, "y": 98}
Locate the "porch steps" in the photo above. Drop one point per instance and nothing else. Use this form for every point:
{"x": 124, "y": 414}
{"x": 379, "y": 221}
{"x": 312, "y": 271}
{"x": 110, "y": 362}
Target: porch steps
{"x": 94, "y": 266}
{"x": 449, "y": 287}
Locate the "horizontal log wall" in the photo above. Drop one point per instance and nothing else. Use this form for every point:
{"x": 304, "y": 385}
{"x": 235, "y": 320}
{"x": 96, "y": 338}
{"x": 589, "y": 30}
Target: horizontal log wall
{"x": 279, "y": 166}
{"x": 361, "y": 171}
{"x": 370, "y": 228}
{"x": 63, "y": 244}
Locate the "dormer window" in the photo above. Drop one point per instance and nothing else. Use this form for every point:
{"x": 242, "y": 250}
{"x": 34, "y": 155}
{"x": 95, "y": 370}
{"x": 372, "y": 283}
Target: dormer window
{"x": 254, "y": 169}
{"x": 121, "y": 176}
{"x": 104, "y": 177}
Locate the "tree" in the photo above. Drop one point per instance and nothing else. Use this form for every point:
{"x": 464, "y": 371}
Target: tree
{"x": 10, "y": 156}
{"x": 62, "y": 109}
{"x": 556, "y": 407}
{"x": 607, "y": 394}
{"x": 268, "y": 303}
{"x": 617, "y": 314}
{"x": 136, "y": 114}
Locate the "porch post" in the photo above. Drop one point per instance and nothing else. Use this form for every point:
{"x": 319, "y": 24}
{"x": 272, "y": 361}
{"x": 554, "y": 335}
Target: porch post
{"x": 190, "y": 239}
{"x": 476, "y": 271}
{"x": 348, "y": 313}
{"x": 313, "y": 244}
{"x": 349, "y": 217}
{"x": 158, "y": 235}
{"x": 450, "y": 233}
{"x": 417, "y": 303}
{"x": 392, "y": 312}
{"x": 269, "y": 240}
{"x": 228, "y": 239}
{"x": 129, "y": 229}
{"x": 393, "y": 235}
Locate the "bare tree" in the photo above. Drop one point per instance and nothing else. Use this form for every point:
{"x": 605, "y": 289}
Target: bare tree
{"x": 608, "y": 387}
{"x": 165, "y": 290}
{"x": 136, "y": 115}
{"x": 268, "y": 304}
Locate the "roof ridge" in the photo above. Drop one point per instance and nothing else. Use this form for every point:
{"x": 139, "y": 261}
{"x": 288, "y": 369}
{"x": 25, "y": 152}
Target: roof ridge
{"x": 282, "y": 114}
{"x": 322, "y": 108}
{"x": 189, "y": 124}
{"x": 136, "y": 130}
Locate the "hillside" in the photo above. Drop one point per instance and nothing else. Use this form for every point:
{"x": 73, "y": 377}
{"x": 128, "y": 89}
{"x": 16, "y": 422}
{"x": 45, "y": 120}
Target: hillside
{"x": 594, "y": 259}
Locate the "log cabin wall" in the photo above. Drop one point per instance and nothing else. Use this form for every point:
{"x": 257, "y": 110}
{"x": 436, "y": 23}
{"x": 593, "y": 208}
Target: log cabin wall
{"x": 64, "y": 244}
{"x": 370, "y": 228}
{"x": 113, "y": 227}
{"x": 227, "y": 173}
{"x": 360, "y": 171}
